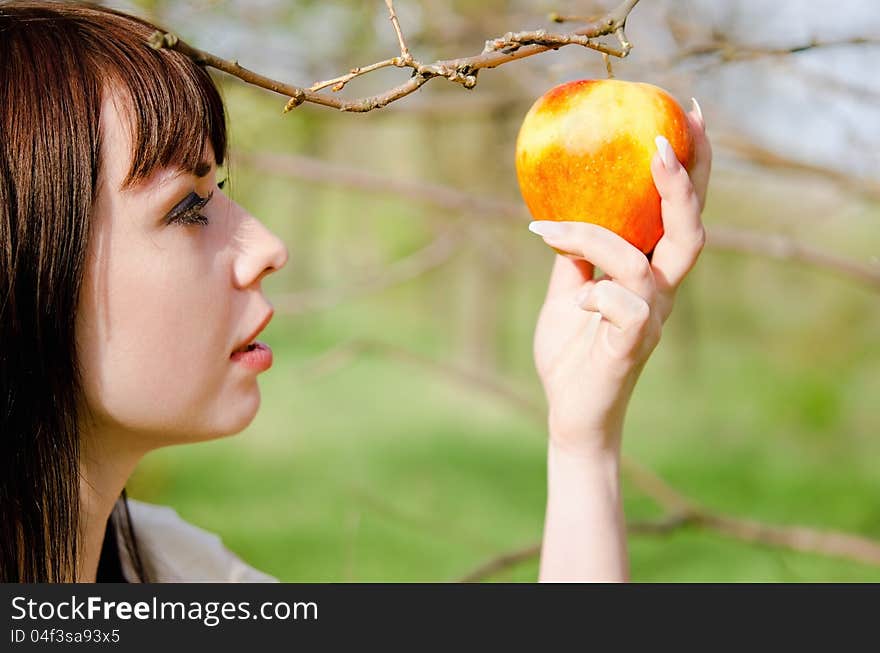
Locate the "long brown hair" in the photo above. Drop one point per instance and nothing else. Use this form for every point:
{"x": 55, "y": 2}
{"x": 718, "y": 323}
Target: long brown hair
{"x": 57, "y": 60}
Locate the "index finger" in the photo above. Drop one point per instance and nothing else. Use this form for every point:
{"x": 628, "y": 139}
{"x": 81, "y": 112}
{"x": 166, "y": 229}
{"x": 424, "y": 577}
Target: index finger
{"x": 602, "y": 247}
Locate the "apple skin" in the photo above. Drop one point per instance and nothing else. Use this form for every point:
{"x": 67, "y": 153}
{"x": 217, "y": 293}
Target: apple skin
{"x": 584, "y": 151}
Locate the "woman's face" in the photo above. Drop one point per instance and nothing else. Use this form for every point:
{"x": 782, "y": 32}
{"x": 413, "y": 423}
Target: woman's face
{"x": 164, "y": 304}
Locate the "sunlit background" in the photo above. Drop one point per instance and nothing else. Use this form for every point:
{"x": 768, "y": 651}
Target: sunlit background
{"x": 402, "y": 433}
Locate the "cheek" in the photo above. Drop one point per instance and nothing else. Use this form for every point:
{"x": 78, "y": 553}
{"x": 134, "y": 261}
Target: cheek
{"x": 153, "y": 336}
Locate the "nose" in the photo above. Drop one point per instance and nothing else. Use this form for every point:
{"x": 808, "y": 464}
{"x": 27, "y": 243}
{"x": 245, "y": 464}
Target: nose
{"x": 261, "y": 253}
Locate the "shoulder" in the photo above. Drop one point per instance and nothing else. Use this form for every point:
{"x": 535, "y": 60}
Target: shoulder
{"x": 174, "y": 551}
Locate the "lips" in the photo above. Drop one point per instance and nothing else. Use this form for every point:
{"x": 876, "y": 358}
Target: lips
{"x": 249, "y": 344}
{"x": 259, "y": 359}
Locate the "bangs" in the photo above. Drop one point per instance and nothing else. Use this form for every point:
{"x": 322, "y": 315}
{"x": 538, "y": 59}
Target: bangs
{"x": 172, "y": 105}
{"x": 174, "y": 108}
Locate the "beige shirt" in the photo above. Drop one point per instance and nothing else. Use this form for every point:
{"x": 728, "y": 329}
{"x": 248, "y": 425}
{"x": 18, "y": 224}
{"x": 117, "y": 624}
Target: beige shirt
{"x": 175, "y": 551}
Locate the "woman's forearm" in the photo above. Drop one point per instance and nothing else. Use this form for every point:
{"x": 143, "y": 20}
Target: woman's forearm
{"x": 589, "y": 361}
{"x": 584, "y": 528}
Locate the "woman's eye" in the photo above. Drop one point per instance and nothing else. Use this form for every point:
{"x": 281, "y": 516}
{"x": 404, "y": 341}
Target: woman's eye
{"x": 191, "y": 217}
{"x": 189, "y": 211}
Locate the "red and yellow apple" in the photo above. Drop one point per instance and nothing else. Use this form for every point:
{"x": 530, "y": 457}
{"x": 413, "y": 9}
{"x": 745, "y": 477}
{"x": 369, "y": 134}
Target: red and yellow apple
{"x": 584, "y": 149}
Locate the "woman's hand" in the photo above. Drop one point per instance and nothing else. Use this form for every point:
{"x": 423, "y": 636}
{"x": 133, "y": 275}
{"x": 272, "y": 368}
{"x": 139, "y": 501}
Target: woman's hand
{"x": 593, "y": 337}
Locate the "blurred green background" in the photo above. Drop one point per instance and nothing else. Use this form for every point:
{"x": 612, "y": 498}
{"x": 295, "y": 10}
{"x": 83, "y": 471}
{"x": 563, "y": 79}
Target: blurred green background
{"x": 761, "y": 401}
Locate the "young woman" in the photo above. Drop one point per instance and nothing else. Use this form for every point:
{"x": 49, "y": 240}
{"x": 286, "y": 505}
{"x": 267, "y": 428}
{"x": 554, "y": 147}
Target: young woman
{"x": 130, "y": 301}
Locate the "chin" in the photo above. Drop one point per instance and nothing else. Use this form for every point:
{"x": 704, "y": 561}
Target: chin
{"x": 231, "y": 418}
{"x": 247, "y": 411}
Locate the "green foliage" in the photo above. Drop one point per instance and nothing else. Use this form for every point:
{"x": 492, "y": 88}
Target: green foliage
{"x": 759, "y": 403}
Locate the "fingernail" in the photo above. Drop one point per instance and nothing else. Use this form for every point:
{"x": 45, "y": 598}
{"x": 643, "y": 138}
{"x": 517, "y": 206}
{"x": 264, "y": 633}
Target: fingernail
{"x": 666, "y": 153}
{"x": 547, "y": 228}
{"x": 581, "y": 297}
{"x": 699, "y": 112}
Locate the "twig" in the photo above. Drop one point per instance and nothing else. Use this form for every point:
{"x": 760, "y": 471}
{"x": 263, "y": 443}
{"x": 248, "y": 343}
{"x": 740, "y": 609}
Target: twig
{"x": 726, "y": 51}
{"x": 379, "y": 505}
{"x": 338, "y": 83}
{"x": 433, "y": 255}
{"x": 831, "y": 84}
{"x": 701, "y": 41}
{"x": 719, "y": 237}
{"x": 501, "y": 563}
{"x": 405, "y": 59}
{"x": 788, "y": 249}
{"x": 651, "y": 485}
{"x": 797, "y": 538}
{"x": 404, "y": 51}
{"x": 340, "y": 355}
{"x": 608, "y": 70}
{"x": 513, "y": 558}
{"x": 507, "y": 48}
{"x": 512, "y": 41}
{"x": 553, "y": 17}
{"x": 755, "y": 153}
{"x": 681, "y": 511}
{"x": 334, "y": 174}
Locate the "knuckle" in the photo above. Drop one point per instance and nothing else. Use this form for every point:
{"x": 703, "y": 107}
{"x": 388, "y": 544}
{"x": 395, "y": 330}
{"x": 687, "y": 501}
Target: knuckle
{"x": 700, "y": 241}
{"x": 602, "y": 291}
{"x": 664, "y": 306}
{"x": 638, "y": 267}
{"x": 653, "y": 336}
{"x": 691, "y": 244}
{"x": 641, "y": 313}
{"x": 686, "y": 191}
{"x": 695, "y": 243}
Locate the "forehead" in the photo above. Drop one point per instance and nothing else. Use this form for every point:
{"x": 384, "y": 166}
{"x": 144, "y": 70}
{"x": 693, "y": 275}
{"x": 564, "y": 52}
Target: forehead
{"x": 117, "y": 145}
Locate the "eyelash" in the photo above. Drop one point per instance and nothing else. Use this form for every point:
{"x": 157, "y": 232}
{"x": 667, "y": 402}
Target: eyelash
{"x": 194, "y": 215}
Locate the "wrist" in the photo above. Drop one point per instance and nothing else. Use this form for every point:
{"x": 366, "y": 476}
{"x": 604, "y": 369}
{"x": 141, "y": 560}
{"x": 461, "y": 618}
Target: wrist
{"x": 578, "y": 475}
{"x": 590, "y": 445}
{"x": 584, "y": 458}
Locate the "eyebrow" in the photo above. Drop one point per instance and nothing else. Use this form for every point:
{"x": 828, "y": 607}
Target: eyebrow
{"x": 201, "y": 169}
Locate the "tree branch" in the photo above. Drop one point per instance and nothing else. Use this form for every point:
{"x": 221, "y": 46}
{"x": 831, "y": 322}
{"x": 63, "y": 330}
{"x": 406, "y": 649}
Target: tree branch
{"x": 507, "y": 48}
{"x": 788, "y": 249}
{"x": 433, "y": 255}
{"x": 726, "y": 51}
{"x": 513, "y": 558}
{"x": 337, "y": 357}
{"x": 334, "y": 174}
{"x": 501, "y": 563}
{"x": 796, "y": 538}
{"x": 719, "y": 237}
{"x": 759, "y": 155}
{"x": 681, "y": 511}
